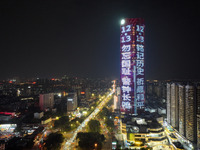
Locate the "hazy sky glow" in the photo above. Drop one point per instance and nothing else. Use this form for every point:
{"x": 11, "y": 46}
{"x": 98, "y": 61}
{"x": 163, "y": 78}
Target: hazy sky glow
{"x": 51, "y": 38}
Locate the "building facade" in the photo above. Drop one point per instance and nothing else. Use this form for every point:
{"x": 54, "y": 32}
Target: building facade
{"x": 198, "y": 115}
{"x": 169, "y": 103}
{"x": 143, "y": 132}
{"x": 181, "y": 109}
{"x": 132, "y": 65}
{"x": 72, "y": 102}
{"x": 46, "y": 101}
{"x": 190, "y": 113}
{"x": 174, "y": 105}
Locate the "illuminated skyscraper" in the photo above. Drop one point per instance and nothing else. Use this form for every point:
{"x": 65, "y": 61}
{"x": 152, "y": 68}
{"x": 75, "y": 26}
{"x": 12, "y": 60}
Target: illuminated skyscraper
{"x": 132, "y": 65}
{"x": 181, "y": 109}
{"x": 190, "y": 113}
{"x": 198, "y": 116}
{"x": 174, "y": 105}
{"x": 184, "y": 101}
{"x": 198, "y": 130}
{"x": 168, "y": 103}
{"x": 118, "y": 93}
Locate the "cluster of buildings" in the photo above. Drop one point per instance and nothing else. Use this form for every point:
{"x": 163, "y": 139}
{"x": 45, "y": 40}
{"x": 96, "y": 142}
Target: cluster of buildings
{"x": 144, "y": 131}
{"x": 183, "y": 109}
{"x": 175, "y": 102}
{"x": 142, "y": 104}
{"x": 28, "y": 107}
{"x": 156, "y": 93}
{"x": 156, "y": 114}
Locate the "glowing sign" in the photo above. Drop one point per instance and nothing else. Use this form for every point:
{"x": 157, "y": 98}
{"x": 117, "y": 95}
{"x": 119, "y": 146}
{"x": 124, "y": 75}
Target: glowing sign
{"x": 140, "y": 91}
{"x": 132, "y": 65}
{"x": 69, "y": 100}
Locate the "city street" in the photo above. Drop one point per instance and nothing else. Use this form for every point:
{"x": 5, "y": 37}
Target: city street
{"x": 108, "y": 143}
{"x": 70, "y": 143}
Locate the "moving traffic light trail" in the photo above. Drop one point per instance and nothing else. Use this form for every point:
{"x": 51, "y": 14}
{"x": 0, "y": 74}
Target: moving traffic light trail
{"x": 91, "y": 116}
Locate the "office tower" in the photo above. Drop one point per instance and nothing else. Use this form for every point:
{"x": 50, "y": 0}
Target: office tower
{"x": 132, "y": 65}
{"x": 190, "y": 113}
{"x": 181, "y": 109}
{"x": 46, "y": 101}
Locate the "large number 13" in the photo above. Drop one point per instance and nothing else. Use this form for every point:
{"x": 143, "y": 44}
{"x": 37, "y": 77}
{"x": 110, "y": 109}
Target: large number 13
{"x": 126, "y": 39}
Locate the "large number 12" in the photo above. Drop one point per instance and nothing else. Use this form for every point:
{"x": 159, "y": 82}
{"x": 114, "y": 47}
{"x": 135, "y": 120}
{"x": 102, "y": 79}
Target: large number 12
{"x": 140, "y": 28}
{"x": 126, "y": 29}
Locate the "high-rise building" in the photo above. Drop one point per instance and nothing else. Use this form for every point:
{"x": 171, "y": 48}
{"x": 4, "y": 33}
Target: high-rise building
{"x": 46, "y": 101}
{"x": 198, "y": 131}
{"x": 169, "y": 103}
{"x": 149, "y": 87}
{"x": 72, "y": 102}
{"x": 198, "y": 99}
{"x": 190, "y": 113}
{"x": 117, "y": 99}
{"x": 174, "y": 105}
{"x": 181, "y": 109}
{"x": 186, "y": 100}
{"x": 132, "y": 65}
{"x": 198, "y": 115}
{"x": 115, "y": 102}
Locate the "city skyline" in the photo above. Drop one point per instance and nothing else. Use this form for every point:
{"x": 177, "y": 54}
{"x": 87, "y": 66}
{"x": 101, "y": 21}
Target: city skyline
{"x": 99, "y": 75}
{"x": 51, "y": 39}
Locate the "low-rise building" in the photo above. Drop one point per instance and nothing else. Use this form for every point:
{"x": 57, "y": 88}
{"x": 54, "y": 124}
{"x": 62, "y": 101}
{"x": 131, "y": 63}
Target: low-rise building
{"x": 38, "y": 115}
{"x": 143, "y": 133}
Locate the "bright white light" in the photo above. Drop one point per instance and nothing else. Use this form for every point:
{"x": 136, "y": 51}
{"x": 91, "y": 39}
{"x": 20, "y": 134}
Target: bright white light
{"x": 59, "y": 94}
{"x": 69, "y": 100}
{"x": 122, "y": 21}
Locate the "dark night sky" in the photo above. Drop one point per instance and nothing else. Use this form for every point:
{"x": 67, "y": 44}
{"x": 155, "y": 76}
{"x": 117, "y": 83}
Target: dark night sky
{"x": 51, "y": 38}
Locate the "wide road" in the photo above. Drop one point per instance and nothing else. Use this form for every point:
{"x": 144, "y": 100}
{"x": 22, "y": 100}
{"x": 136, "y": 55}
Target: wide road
{"x": 108, "y": 143}
{"x": 68, "y": 145}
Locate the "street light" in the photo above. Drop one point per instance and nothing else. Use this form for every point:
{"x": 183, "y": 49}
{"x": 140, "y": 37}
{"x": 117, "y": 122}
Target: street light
{"x": 95, "y": 145}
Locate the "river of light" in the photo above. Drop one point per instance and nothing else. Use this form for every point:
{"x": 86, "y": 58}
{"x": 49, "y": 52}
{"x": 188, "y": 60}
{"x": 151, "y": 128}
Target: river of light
{"x": 84, "y": 123}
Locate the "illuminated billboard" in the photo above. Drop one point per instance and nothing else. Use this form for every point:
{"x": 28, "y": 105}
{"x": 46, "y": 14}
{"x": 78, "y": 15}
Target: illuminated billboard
{"x": 132, "y": 65}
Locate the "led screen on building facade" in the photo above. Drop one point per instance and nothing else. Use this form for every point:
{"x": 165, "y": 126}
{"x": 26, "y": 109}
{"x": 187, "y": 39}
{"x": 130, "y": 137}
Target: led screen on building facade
{"x": 132, "y": 65}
